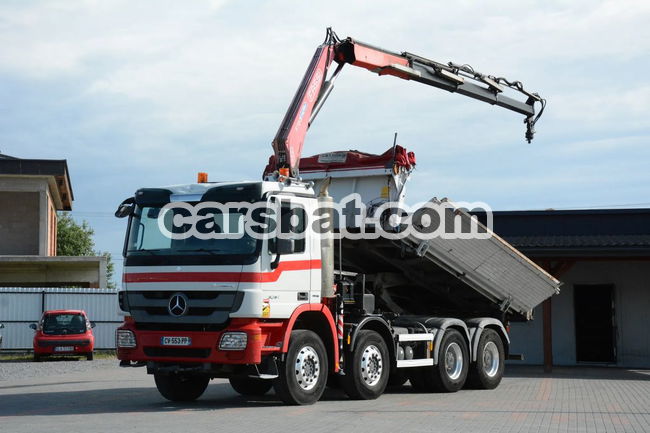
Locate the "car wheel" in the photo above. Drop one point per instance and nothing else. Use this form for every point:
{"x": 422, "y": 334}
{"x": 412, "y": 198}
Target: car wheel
{"x": 450, "y": 374}
{"x": 303, "y": 373}
{"x": 180, "y": 387}
{"x": 487, "y": 371}
{"x": 250, "y": 386}
{"x": 367, "y": 374}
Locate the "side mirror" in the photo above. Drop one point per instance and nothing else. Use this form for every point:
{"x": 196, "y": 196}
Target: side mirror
{"x": 281, "y": 247}
{"x": 285, "y": 246}
{"x": 125, "y": 209}
{"x": 33, "y": 326}
{"x": 93, "y": 324}
{"x": 2, "y": 325}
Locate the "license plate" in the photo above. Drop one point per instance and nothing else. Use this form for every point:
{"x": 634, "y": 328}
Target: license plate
{"x": 175, "y": 341}
{"x": 63, "y": 348}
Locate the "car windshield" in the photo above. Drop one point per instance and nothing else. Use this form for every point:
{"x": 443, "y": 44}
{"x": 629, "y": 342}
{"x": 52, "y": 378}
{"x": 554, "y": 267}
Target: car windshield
{"x": 147, "y": 239}
{"x": 63, "y": 324}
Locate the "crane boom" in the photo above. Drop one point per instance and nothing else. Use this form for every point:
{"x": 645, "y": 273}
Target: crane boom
{"x": 315, "y": 88}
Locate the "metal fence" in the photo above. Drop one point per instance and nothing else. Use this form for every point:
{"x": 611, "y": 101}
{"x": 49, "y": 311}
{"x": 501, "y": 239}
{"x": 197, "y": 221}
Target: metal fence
{"x": 20, "y": 306}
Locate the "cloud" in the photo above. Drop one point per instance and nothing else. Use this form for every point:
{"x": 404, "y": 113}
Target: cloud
{"x": 149, "y": 93}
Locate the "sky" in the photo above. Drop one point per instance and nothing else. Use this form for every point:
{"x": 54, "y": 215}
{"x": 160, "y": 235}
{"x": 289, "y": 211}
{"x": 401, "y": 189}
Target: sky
{"x": 148, "y": 93}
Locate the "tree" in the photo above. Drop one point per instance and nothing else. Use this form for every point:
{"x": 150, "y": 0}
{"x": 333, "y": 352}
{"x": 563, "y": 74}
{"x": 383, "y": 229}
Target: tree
{"x": 74, "y": 239}
{"x": 110, "y": 269}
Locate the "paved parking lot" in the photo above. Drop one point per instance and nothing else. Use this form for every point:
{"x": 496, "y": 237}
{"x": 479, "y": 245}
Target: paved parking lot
{"x": 107, "y": 398}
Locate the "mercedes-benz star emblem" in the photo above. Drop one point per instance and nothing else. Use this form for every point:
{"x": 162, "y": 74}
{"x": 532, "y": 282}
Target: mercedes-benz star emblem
{"x": 177, "y": 304}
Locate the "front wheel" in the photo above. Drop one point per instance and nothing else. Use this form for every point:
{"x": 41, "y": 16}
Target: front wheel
{"x": 250, "y": 386}
{"x": 303, "y": 373}
{"x": 367, "y": 377}
{"x": 487, "y": 371}
{"x": 179, "y": 387}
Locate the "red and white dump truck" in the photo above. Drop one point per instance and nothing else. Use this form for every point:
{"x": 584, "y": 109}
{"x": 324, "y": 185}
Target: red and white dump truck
{"x": 302, "y": 307}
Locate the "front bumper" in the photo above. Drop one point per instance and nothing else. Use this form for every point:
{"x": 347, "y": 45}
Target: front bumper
{"x": 204, "y": 346}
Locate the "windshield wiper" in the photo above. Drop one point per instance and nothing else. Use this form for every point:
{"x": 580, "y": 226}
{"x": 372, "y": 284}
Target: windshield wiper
{"x": 152, "y": 252}
{"x": 211, "y": 251}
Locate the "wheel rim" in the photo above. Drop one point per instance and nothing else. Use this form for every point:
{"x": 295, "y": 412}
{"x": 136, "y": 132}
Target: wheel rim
{"x": 372, "y": 365}
{"x": 490, "y": 359}
{"x": 453, "y": 361}
{"x": 307, "y": 368}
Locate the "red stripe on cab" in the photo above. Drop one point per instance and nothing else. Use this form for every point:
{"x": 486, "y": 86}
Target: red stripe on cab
{"x": 221, "y": 277}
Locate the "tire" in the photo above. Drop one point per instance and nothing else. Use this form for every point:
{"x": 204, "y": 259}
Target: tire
{"x": 89, "y": 357}
{"x": 177, "y": 387}
{"x": 250, "y": 386}
{"x": 367, "y": 375}
{"x": 450, "y": 374}
{"x": 487, "y": 371}
{"x": 303, "y": 373}
{"x": 37, "y": 358}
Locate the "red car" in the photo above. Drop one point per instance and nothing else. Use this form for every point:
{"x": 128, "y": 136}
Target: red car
{"x": 63, "y": 332}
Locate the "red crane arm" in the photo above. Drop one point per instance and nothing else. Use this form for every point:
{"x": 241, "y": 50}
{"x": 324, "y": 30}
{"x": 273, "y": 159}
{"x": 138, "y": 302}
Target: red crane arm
{"x": 289, "y": 139}
{"x": 315, "y": 88}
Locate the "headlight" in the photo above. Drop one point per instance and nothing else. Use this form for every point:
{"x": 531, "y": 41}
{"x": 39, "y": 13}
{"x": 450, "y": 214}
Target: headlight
{"x": 233, "y": 341}
{"x": 125, "y": 338}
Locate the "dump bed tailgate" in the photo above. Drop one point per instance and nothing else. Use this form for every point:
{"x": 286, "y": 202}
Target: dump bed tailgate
{"x": 491, "y": 266}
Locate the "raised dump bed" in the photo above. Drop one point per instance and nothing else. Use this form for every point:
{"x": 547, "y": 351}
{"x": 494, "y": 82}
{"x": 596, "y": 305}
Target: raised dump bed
{"x": 447, "y": 276}
{"x": 488, "y": 275}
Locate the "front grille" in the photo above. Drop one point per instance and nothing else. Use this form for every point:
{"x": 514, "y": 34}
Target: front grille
{"x": 196, "y": 311}
{"x": 176, "y": 352}
{"x": 203, "y": 307}
{"x": 160, "y": 294}
{"x": 197, "y": 327}
{"x": 50, "y": 343}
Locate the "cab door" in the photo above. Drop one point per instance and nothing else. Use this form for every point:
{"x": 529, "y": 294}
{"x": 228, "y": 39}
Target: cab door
{"x": 288, "y": 280}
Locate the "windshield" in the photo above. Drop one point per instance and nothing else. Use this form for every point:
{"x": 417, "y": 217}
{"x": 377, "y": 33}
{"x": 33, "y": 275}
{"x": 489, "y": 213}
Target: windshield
{"x": 63, "y": 324}
{"x": 147, "y": 239}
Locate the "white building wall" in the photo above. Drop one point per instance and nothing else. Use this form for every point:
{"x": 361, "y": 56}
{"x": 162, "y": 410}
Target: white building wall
{"x": 631, "y": 280}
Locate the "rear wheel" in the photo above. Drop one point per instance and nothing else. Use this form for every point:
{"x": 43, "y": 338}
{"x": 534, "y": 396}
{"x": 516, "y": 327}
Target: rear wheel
{"x": 250, "y": 386}
{"x": 179, "y": 387}
{"x": 37, "y": 358}
{"x": 89, "y": 356}
{"x": 367, "y": 377}
{"x": 487, "y": 371}
{"x": 450, "y": 374}
{"x": 303, "y": 374}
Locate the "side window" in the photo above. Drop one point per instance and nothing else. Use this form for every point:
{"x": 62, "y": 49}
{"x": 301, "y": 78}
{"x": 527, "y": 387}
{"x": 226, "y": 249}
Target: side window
{"x": 293, "y": 220}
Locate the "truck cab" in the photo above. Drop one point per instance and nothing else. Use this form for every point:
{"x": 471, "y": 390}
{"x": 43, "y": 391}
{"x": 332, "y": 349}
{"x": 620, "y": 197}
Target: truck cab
{"x": 250, "y": 279}
{"x": 200, "y": 288}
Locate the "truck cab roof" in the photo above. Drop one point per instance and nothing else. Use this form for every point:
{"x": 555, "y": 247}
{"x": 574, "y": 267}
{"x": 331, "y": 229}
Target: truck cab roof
{"x": 250, "y": 191}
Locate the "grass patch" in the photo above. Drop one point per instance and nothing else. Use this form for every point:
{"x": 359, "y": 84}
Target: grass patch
{"x": 16, "y": 357}
{"x": 105, "y": 354}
